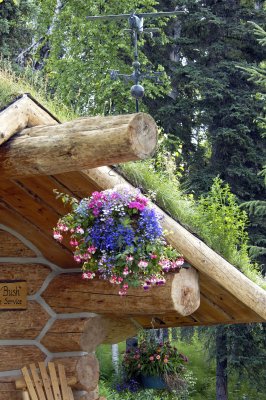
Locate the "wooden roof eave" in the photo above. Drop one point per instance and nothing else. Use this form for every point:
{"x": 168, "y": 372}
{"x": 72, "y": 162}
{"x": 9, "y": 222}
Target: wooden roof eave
{"x": 196, "y": 252}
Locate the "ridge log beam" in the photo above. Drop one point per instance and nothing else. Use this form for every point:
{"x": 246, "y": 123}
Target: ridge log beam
{"x": 84, "y": 143}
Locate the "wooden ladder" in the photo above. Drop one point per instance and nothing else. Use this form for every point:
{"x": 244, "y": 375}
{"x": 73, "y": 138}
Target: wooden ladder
{"x": 41, "y": 383}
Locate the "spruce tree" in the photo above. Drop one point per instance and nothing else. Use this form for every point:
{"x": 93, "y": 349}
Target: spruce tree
{"x": 213, "y": 109}
{"x": 212, "y": 106}
{"x": 257, "y": 208}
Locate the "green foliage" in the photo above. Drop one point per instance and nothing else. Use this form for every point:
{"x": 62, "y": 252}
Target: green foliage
{"x": 81, "y": 52}
{"x": 16, "y": 28}
{"x": 107, "y": 391}
{"x": 203, "y": 371}
{"x": 222, "y": 223}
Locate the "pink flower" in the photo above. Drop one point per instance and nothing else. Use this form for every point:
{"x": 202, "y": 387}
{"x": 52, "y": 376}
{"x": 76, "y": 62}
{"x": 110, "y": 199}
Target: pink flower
{"x": 91, "y": 249}
{"x": 125, "y": 272}
{"x": 143, "y": 200}
{"x": 79, "y": 230}
{"x": 153, "y": 256}
{"x": 73, "y": 242}
{"x": 143, "y": 264}
{"x": 86, "y": 256}
{"x": 57, "y": 236}
{"x": 178, "y": 263}
{"x": 165, "y": 360}
{"x": 136, "y": 356}
{"x": 129, "y": 258}
{"x": 123, "y": 291}
{"x": 158, "y": 357}
{"x": 77, "y": 258}
{"x": 88, "y": 275}
{"x": 62, "y": 227}
{"x": 151, "y": 358}
{"x": 137, "y": 205}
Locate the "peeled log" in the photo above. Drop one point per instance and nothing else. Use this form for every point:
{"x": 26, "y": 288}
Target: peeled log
{"x": 68, "y": 293}
{"x": 76, "y": 145}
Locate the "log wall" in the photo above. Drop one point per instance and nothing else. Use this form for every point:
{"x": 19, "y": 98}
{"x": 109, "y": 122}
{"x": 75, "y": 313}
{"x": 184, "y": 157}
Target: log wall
{"x": 62, "y": 318}
{"x": 39, "y": 333}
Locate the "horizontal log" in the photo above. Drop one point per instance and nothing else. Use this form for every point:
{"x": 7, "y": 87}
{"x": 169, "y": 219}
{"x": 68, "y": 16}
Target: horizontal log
{"x": 73, "y": 146}
{"x": 10, "y": 246}
{"x": 71, "y": 330}
{"x": 34, "y": 274}
{"x": 68, "y": 293}
{"x": 197, "y": 253}
{"x": 82, "y": 334}
{"x": 15, "y": 357}
{"x": 8, "y": 391}
{"x": 26, "y": 324}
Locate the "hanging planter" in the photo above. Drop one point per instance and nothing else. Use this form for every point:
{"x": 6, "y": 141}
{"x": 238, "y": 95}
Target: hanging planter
{"x": 116, "y": 235}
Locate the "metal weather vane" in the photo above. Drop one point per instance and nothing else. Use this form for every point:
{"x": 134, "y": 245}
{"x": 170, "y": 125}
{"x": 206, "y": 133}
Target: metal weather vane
{"x": 136, "y": 28}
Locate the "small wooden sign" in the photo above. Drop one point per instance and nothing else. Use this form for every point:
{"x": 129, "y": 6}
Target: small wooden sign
{"x": 13, "y": 295}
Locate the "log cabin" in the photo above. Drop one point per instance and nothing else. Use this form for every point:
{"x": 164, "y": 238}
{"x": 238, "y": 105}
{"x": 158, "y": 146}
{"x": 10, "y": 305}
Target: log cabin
{"x": 46, "y": 311}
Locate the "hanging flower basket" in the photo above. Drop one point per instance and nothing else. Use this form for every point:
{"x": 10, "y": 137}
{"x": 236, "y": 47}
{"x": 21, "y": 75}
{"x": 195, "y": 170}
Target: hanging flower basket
{"x": 116, "y": 235}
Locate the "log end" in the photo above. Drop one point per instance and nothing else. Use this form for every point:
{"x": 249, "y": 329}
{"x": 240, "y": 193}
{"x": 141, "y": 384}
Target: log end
{"x": 143, "y": 132}
{"x": 185, "y": 291}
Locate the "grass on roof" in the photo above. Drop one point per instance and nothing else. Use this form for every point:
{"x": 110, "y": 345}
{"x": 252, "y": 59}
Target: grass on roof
{"x": 184, "y": 209}
{"x": 13, "y": 85}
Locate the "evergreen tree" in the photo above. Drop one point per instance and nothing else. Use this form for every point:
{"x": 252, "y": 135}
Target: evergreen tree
{"x": 213, "y": 109}
{"x": 212, "y": 106}
{"x": 238, "y": 350}
{"x": 257, "y": 208}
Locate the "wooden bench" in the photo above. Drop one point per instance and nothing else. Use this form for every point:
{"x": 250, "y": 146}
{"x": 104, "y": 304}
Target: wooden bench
{"x": 41, "y": 383}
